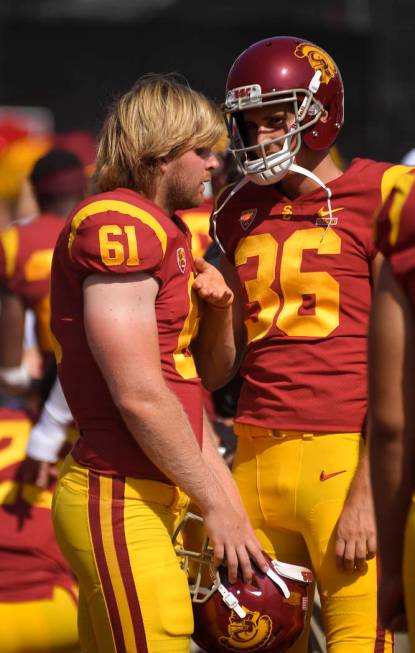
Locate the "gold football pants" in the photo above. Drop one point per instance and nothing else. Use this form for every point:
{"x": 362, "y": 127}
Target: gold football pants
{"x": 116, "y": 535}
{"x": 41, "y": 626}
{"x": 294, "y": 486}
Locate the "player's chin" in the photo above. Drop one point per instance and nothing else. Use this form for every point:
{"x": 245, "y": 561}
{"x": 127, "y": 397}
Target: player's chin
{"x": 197, "y": 197}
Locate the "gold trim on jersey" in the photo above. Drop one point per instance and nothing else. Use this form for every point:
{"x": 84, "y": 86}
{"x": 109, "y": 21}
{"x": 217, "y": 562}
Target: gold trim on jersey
{"x": 38, "y": 265}
{"x": 101, "y": 206}
{"x": 402, "y": 189}
{"x": 56, "y": 346}
{"x": 10, "y": 241}
{"x": 389, "y": 178}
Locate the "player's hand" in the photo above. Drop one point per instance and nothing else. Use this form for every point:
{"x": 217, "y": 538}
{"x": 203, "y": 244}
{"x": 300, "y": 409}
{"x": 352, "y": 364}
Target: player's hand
{"x": 356, "y": 533}
{"x": 210, "y": 285}
{"x": 391, "y": 602}
{"x": 233, "y": 541}
{"x": 36, "y": 472}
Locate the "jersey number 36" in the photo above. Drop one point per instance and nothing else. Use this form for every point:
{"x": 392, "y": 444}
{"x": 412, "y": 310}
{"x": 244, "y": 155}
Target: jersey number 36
{"x": 285, "y": 308}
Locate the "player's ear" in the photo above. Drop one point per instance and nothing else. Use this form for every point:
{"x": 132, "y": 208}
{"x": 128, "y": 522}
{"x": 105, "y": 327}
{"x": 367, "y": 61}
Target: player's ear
{"x": 163, "y": 164}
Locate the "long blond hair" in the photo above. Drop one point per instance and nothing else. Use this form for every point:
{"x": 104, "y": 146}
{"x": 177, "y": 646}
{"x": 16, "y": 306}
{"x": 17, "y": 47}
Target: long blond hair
{"x": 161, "y": 117}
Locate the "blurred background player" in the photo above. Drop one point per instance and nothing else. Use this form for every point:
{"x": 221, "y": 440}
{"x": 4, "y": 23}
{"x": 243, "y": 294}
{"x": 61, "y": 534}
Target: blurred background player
{"x": 38, "y": 590}
{"x": 392, "y": 405}
{"x": 297, "y": 235}
{"x": 19, "y": 151}
{"x": 58, "y": 182}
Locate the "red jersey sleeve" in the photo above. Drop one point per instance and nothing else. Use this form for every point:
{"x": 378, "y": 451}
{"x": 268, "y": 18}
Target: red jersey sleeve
{"x": 116, "y": 239}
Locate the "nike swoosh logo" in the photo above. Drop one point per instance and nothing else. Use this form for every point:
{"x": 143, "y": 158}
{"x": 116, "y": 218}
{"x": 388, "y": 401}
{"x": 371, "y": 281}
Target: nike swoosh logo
{"x": 322, "y": 213}
{"x": 325, "y": 477}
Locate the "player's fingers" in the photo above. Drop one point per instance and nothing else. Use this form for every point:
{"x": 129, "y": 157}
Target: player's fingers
{"x": 349, "y": 556}
{"x": 200, "y": 264}
{"x": 218, "y": 554}
{"x": 227, "y": 297}
{"x": 340, "y": 547}
{"x": 202, "y": 291}
{"x": 232, "y": 563}
{"x": 371, "y": 546}
{"x": 245, "y": 564}
{"x": 198, "y": 283}
{"x": 360, "y": 554}
{"x": 256, "y": 554}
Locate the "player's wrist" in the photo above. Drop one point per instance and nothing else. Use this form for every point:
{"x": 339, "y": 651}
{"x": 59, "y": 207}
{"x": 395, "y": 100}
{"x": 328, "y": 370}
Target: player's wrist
{"x": 220, "y": 308}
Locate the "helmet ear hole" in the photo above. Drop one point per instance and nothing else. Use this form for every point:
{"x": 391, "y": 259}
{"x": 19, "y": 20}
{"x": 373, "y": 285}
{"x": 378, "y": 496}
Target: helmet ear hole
{"x": 325, "y": 115}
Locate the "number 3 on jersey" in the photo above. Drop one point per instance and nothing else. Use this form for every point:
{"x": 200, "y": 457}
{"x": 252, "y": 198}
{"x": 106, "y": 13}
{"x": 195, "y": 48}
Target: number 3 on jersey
{"x": 294, "y": 284}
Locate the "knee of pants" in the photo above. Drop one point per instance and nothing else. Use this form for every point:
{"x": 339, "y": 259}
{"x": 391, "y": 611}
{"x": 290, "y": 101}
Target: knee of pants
{"x": 351, "y": 624}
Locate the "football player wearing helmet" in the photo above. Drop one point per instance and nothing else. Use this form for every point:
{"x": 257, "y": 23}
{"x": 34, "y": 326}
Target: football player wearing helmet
{"x": 124, "y": 315}
{"x": 299, "y": 256}
{"x": 391, "y": 405}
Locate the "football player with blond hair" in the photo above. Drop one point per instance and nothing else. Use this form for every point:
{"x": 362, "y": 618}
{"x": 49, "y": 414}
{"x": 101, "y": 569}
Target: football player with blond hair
{"x": 125, "y": 313}
{"x": 297, "y": 237}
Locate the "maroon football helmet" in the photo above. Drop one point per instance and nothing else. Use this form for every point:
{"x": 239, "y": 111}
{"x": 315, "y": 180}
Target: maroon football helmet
{"x": 279, "y": 70}
{"x": 266, "y": 616}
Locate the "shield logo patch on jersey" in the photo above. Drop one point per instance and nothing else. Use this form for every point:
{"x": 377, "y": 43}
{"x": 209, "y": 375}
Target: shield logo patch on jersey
{"x": 181, "y": 259}
{"x": 246, "y": 218}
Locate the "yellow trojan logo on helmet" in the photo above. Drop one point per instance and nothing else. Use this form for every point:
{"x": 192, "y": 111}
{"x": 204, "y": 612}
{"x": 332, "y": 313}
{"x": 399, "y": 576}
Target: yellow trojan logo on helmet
{"x": 248, "y": 634}
{"x": 318, "y": 59}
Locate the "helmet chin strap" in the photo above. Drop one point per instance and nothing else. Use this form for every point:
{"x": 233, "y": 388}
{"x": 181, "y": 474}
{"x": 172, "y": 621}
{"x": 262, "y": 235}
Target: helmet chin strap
{"x": 215, "y": 213}
{"x": 307, "y": 173}
{"x": 273, "y": 178}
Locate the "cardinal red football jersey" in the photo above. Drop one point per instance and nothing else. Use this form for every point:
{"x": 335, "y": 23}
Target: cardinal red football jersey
{"x": 31, "y": 563}
{"x": 395, "y": 232}
{"x": 26, "y": 252}
{"x": 118, "y": 233}
{"x": 307, "y": 290}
